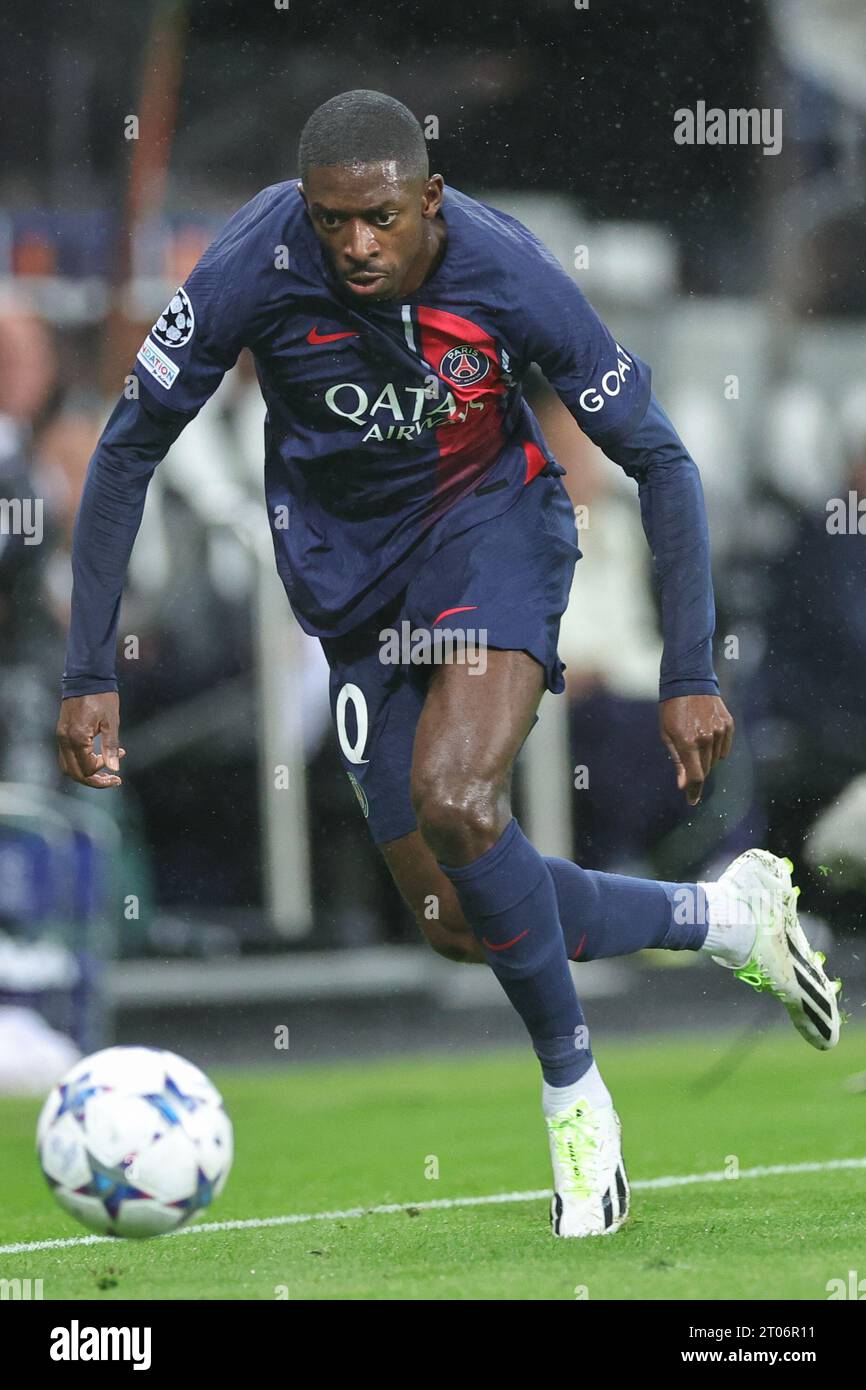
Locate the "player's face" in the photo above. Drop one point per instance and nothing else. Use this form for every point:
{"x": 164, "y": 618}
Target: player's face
{"x": 376, "y": 227}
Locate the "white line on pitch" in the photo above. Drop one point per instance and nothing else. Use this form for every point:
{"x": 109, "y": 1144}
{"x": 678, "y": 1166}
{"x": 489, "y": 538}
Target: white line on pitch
{"x": 440, "y": 1204}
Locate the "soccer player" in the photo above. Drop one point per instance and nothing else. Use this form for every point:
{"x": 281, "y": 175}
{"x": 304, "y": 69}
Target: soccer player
{"x": 410, "y": 491}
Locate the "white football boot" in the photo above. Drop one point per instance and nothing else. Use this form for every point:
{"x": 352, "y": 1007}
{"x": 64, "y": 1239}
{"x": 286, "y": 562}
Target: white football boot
{"x": 590, "y": 1188}
{"x": 782, "y": 962}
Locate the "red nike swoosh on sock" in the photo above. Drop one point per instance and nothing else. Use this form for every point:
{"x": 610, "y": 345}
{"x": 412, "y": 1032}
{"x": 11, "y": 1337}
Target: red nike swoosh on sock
{"x": 505, "y": 944}
{"x": 315, "y": 337}
{"x": 580, "y": 947}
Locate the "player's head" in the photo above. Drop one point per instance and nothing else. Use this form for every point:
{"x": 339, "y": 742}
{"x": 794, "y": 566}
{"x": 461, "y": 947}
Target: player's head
{"x": 366, "y": 181}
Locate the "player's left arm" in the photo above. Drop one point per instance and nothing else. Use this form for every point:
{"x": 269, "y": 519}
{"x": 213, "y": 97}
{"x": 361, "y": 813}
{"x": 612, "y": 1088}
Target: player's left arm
{"x": 696, "y": 726}
{"x": 608, "y": 391}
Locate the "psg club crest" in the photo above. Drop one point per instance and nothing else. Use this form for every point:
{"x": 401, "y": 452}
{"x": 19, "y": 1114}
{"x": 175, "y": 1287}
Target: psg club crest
{"x": 175, "y": 325}
{"x": 465, "y": 365}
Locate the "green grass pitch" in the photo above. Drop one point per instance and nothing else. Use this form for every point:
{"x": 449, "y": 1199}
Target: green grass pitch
{"x": 318, "y": 1139}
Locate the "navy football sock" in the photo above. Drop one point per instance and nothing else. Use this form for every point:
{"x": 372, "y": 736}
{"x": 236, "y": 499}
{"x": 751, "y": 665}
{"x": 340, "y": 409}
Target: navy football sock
{"x": 612, "y": 915}
{"x": 508, "y": 898}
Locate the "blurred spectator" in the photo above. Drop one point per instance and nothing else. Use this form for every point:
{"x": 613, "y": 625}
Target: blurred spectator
{"x": 28, "y": 369}
{"x": 808, "y": 694}
{"x": 62, "y": 452}
{"x": 27, "y": 380}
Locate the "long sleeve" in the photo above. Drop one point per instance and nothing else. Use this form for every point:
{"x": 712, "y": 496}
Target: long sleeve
{"x": 133, "y": 442}
{"x": 675, "y": 523}
{"x": 608, "y": 392}
{"x": 180, "y": 364}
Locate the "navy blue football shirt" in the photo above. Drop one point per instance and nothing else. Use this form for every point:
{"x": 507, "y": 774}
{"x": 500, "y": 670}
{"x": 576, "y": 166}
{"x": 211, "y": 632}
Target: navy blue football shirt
{"x": 390, "y": 427}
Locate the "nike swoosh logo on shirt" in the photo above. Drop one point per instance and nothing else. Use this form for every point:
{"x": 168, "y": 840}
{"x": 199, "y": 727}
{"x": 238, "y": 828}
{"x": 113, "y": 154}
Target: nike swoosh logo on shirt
{"x": 315, "y": 337}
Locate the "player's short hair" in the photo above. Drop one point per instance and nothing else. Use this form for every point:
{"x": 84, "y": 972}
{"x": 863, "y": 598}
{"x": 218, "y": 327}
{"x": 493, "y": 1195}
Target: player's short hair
{"x": 363, "y": 127}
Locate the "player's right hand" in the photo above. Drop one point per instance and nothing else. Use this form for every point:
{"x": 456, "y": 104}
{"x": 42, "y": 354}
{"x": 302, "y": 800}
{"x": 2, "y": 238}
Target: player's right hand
{"x": 82, "y": 717}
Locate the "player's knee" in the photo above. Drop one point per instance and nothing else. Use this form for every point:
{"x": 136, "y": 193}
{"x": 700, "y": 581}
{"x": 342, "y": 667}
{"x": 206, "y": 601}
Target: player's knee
{"x": 454, "y": 819}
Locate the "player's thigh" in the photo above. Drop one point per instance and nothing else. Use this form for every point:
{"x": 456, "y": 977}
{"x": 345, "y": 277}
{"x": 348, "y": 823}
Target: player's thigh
{"x": 472, "y": 726}
{"x": 499, "y": 591}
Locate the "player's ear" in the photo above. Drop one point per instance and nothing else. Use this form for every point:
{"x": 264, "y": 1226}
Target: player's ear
{"x": 434, "y": 191}
{"x": 303, "y": 194}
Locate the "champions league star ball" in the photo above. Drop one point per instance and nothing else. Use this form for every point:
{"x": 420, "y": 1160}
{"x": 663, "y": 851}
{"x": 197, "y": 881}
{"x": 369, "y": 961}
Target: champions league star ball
{"x": 134, "y": 1141}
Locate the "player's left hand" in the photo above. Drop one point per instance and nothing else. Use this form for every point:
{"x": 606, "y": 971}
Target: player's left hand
{"x": 697, "y": 731}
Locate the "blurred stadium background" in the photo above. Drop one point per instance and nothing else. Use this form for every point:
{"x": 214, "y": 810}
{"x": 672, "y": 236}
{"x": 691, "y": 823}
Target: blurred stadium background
{"x": 230, "y": 887}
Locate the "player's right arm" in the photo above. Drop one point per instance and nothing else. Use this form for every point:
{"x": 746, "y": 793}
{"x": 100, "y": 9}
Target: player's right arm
{"x": 180, "y": 364}
{"x": 109, "y": 515}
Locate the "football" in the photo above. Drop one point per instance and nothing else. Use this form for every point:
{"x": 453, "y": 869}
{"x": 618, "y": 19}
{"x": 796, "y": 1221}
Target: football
{"x": 134, "y": 1141}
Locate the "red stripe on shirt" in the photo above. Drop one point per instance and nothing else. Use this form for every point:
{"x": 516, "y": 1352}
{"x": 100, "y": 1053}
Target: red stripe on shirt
{"x": 471, "y": 438}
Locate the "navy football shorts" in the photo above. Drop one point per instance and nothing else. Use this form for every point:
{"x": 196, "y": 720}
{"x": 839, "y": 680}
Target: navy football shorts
{"x": 503, "y": 583}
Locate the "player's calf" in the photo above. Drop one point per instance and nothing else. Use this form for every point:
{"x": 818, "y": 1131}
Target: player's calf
{"x": 455, "y": 943}
{"x": 431, "y": 898}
